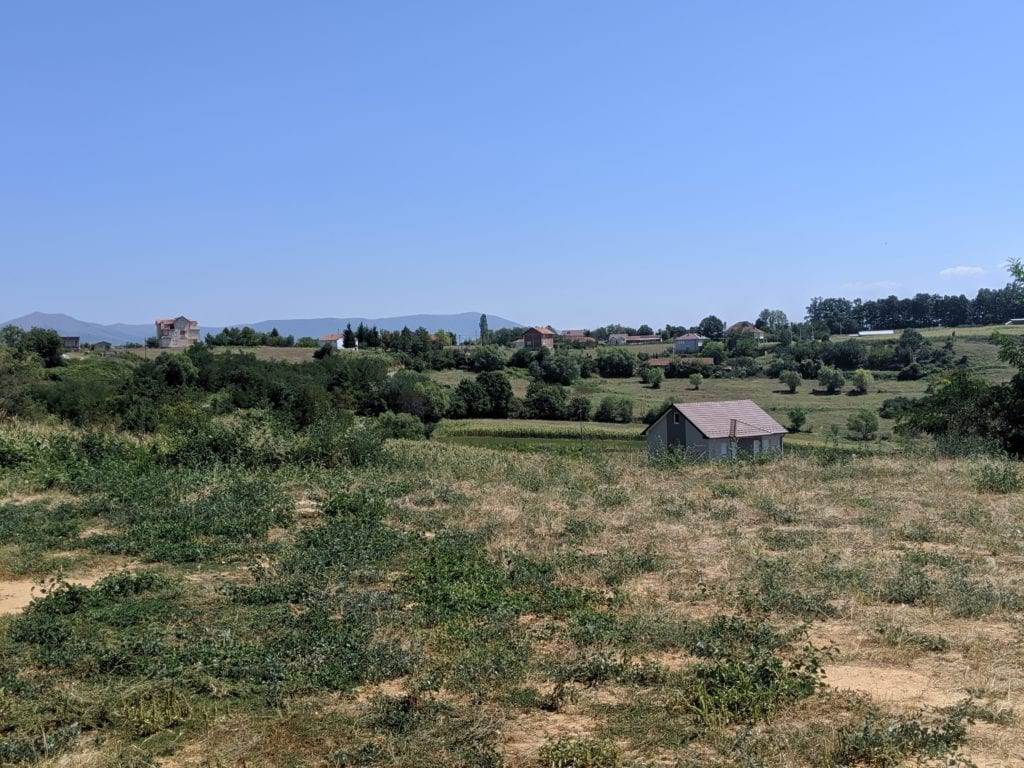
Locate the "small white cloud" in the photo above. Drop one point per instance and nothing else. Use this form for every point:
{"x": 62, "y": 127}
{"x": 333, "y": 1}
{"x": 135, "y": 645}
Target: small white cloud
{"x": 872, "y": 286}
{"x": 954, "y": 273}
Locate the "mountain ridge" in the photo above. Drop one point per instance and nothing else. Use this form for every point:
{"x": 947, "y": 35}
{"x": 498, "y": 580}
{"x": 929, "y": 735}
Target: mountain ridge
{"x": 464, "y": 324}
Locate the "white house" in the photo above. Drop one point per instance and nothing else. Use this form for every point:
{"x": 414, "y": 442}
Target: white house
{"x": 715, "y": 430}
{"x": 337, "y": 340}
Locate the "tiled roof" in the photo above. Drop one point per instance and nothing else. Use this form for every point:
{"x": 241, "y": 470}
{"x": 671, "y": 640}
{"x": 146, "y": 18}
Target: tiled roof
{"x": 644, "y": 337}
{"x": 542, "y": 330}
{"x": 332, "y": 337}
{"x": 715, "y": 419}
{"x": 691, "y": 337}
{"x": 658, "y": 362}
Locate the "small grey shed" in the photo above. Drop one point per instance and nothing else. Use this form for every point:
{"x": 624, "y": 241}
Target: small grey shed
{"x": 715, "y": 430}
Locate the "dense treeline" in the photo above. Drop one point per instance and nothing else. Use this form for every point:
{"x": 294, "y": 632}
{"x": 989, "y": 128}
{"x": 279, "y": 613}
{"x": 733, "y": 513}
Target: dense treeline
{"x": 989, "y": 307}
{"x": 961, "y": 406}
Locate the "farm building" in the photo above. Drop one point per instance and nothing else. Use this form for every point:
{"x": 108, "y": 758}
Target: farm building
{"x": 71, "y": 343}
{"x": 102, "y": 346}
{"x": 618, "y": 339}
{"x": 539, "y": 336}
{"x": 715, "y": 430}
{"x": 690, "y": 342}
{"x": 176, "y": 332}
{"x": 874, "y": 333}
{"x": 658, "y": 362}
{"x": 1015, "y": 321}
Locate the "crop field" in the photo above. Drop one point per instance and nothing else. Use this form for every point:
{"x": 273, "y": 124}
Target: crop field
{"x": 428, "y": 603}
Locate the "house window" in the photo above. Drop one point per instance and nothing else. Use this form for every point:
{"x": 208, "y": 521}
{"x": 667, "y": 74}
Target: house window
{"x": 675, "y": 418}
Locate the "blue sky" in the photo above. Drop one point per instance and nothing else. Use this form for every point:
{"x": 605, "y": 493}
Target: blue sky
{"x": 572, "y": 163}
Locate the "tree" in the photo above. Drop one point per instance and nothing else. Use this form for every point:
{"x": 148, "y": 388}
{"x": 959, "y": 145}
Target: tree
{"x": 348, "y": 338}
{"x": 499, "y": 391}
{"x": 46, "y": 344}
{"x": 863, "y": 423}
{"x": 696, "y": 380}
{"x": 773, "y": 320}
{"x": 862, "y": 380}
{"x": 411, "y": 392}
{"x": 487, "y": 358}
{"x": 615, "y": 408}
{"x": 474, "y": 396}
{"x": 546, "y": 401}
{"x": 645, "y": 330}
{"x": 797, "y": 418}
{"x": 559, "y": 368}
{"x": 152, "y": 342}
{"x": 832, "y": 379}
{"x": 715, "y": 350}
{"x": 615, "y": 363}
{"x": 791, "y": 379}
{"x": 485, "y": 333}
{"x": 652, "y": 376}
{"x": 711, "y": 327}
{"x": 579, "y": 408}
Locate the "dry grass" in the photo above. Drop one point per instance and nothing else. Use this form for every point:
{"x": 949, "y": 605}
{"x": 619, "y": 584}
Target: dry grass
{"x": 662, "y": 546}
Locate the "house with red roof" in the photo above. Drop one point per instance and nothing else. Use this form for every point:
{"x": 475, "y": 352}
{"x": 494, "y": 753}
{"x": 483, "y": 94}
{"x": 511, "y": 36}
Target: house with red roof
{"x": 539, "y": 336}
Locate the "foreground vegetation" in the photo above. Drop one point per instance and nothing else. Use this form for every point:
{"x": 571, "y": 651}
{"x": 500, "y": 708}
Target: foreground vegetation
{"x": 326, "y": 596}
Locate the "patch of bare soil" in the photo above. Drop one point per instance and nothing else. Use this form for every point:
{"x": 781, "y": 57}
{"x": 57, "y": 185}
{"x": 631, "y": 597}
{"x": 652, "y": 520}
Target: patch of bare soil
{"x": 896, "y": 687}
{"x": 16, "y": 594}
{"x": 524, "y": 735}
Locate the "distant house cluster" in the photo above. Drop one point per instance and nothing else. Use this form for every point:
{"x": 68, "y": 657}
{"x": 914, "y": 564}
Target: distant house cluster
{"x": 176, "y": 332}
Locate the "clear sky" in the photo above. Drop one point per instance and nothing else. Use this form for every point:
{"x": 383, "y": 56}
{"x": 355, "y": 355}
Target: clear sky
{"x": 564, "y": 162}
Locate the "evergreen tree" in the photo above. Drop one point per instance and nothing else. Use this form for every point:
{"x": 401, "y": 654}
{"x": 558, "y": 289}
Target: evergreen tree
{"x": 348, "y": 338}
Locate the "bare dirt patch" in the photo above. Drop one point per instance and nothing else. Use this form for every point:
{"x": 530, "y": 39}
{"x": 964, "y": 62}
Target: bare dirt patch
{"x": 899, "y": 687}
{"x": 16, "y": 594}
{"x": 524, "y": 735}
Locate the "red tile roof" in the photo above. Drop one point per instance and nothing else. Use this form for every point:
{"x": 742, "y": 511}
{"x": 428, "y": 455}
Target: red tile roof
{"x": 658, "y": 362}
{"x": 715, "y": 419}
{"x": 542, "y": 330}
{"x": 332, "y": 337}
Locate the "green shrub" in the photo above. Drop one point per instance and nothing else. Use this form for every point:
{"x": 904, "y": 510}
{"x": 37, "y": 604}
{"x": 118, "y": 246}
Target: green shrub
{"x": 997, "y": 477}
{"x": 615, "y": 408}
{"x": 579, "y": 753}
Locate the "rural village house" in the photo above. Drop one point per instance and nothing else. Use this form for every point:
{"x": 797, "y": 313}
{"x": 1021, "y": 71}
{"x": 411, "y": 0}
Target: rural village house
{"x": 537, "y": 337}
{"x": 337, "y": 341}
{"x": 71, "y": 343}
{"x": 172, "y": 333}
{"x": 715, "y": 430}
{"x": 745, "y": 326}
{"x": 690, "y": 342}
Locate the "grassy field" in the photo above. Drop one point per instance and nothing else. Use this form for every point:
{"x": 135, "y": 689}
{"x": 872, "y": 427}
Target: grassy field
{"x": 824, "y": 412}
{"x": 454, "y": 605}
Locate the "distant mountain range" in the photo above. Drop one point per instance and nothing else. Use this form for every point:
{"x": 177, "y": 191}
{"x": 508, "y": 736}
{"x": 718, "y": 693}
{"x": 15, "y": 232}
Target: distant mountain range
{"x": 465, "y": 325}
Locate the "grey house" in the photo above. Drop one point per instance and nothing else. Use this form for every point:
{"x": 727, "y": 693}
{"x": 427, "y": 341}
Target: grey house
{"x": 690, "y": 342}
{"x": 716, "y": 430}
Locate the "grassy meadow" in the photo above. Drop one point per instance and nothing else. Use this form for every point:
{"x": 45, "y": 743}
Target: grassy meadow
{"x": 450, "y": 604}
